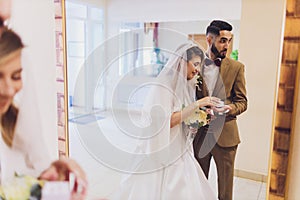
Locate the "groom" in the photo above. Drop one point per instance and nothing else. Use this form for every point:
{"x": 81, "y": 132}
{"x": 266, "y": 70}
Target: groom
{"x": 221, "y": 72}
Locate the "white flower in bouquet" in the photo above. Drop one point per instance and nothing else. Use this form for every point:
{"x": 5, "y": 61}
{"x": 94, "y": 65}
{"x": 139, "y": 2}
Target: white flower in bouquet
{"x": 197, "y": 119}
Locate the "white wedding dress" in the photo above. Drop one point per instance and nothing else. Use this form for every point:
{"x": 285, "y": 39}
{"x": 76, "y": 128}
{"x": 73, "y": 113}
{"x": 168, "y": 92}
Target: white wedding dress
{"x": 168, "y": 170}
{"x": 182, "y": 180}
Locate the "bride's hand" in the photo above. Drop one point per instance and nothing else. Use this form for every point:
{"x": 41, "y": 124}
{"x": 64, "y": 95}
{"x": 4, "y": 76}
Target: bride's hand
{"x": 208, "y": 101}
{"x": 61, "y": 169}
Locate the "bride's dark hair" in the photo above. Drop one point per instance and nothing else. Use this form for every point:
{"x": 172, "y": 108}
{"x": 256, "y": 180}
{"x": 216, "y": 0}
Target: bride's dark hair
{"x": 194, "y": 51}
{"x": 10, "y": 42}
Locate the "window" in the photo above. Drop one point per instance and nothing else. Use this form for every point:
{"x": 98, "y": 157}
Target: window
{"x": 137, "y": 51}
{"x": 85, "y": 33}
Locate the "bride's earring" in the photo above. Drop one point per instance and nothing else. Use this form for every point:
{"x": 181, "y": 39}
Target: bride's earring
{"x": 7, "y": 23}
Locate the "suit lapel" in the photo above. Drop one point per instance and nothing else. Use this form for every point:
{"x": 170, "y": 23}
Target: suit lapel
{"x": 219, "y": 90}
{"x": 224, "y": 67}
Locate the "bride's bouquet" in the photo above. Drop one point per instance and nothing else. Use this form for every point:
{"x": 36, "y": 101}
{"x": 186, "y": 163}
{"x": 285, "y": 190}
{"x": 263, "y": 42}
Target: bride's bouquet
{"x": 197, "y": 119}
{"x": 21, "y": 187}
{"x": 30, "y": 188}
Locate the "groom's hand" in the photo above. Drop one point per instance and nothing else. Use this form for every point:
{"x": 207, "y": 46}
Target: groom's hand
{"x": 222, "y": 110}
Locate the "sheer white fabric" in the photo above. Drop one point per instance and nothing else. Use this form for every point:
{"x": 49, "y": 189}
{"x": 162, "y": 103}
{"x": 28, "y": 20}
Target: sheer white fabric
{"x": 29, "y": 154}
{"x": 168, "y": 169}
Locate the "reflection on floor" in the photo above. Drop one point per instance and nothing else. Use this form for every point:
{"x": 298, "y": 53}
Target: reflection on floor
{"x": 85, "y": 119}
{"x": 102, "y": 179}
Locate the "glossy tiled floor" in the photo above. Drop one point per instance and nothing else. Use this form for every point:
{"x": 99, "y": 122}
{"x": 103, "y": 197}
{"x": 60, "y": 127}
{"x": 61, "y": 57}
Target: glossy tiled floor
{"x": 243, "y": 189}
{"x": 102, "y": 179}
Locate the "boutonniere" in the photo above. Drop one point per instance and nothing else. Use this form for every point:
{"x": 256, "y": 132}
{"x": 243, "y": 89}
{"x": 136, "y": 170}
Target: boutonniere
{"x": 199, "y": 81}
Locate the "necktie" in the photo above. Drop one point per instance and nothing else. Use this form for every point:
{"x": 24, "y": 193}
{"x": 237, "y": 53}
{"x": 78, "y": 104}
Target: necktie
{"x": 208, "y": 61}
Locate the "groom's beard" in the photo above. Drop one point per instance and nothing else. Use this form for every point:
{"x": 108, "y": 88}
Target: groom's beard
{"x": 217, "y": 53}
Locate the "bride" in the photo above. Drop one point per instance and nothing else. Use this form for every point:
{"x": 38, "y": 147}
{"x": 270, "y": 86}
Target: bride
{"x": 168, "y": 169}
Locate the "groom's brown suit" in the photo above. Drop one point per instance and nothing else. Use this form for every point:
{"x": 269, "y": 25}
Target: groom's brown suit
{"x": 230, "y": 87}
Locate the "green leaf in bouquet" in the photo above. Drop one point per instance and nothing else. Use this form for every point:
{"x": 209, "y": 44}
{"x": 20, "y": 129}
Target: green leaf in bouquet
{"x": 36, "y": 192}
{"x": 201, "y": 124}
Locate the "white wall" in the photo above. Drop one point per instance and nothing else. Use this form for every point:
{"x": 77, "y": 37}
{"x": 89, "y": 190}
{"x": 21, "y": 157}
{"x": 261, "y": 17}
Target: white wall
{"x": 260, "y": 44}
{"x": 170, "y": 10}
{"x": 34, "y": 21}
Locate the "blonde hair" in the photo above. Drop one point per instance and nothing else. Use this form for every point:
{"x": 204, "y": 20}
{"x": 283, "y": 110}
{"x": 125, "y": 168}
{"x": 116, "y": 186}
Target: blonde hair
{"x": 10, "y": 42}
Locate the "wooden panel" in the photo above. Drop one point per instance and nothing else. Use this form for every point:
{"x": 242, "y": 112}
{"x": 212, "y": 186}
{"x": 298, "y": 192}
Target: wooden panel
{"x": 289, "y": 99}
{"x": 285, "y": 100}
{"x": 297, "y": 8}
{"x": 281, "y": 184}
{"x": 277, "y": 185}
{"x": 273, "y": 183}
{"x": 290, "y": 51}
{"x": 283, "y": 119}
{"x": 290, "y": 7}
{"x": 61, "y": 145}
{"x": 287, "y": 75}
{"x": 281, "y": 141}
{"x": 61, "y": 132}
{"x": 279, "y": 162}
{"x": 284, "y": 112}
{"x": 200, "y": 39}
{"x": 281, "y": 97}
{"x": 292, "y": 27}
{"x": 62, "y": 125}
{"x": 274, "y": 197}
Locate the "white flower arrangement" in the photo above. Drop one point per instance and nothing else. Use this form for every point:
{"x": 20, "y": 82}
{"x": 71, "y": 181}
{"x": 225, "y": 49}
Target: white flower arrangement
{"x": 197, "y": 119}
{"x": 198, "y": 81}
{"x": 21, "y": 187}
{"x": 27, "y": 187}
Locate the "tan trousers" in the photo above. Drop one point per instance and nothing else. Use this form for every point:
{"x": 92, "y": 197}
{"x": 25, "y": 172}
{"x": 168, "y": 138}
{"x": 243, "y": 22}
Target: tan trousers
{"x": 224, "y": 158}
